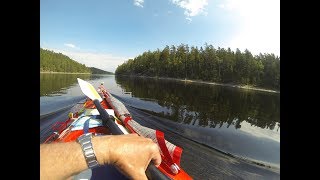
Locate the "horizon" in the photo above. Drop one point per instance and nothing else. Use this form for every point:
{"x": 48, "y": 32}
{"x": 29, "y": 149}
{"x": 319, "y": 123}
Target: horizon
{"x": 104, "y": 35}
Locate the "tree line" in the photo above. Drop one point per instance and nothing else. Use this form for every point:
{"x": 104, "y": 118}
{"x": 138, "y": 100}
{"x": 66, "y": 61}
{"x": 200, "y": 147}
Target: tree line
{"x": 98, "y": 71}
{"x": 207, "y": 64}
{"x": 51, "y": 61}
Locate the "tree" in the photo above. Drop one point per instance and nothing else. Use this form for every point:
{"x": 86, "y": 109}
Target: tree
{"x": 58, "y": 62}
{"x": 207, "y": 64}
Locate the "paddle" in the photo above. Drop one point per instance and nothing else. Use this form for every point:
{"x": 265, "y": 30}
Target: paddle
{"x": 152, "y": 172}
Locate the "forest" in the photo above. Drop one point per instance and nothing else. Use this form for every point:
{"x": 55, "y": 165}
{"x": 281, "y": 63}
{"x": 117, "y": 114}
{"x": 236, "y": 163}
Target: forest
{"x": 51, "y": 61}
{"x": 99, "y": 71}
{"x": 207, "y": 64}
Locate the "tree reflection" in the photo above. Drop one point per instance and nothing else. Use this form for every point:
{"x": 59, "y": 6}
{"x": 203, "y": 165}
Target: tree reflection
{"x": 205, "y": 105}
{"x": 57, "y": 83}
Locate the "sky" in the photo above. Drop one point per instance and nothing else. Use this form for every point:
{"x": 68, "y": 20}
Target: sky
{"x": 106, "y": 33}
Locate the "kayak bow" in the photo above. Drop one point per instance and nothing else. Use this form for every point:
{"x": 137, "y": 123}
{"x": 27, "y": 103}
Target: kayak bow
{"x": 102, "y": 114}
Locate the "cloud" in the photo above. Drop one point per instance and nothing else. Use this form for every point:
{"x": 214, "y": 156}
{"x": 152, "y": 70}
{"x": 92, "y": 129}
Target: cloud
{"x": 258, "y": 25}
{"x": 192, "y": 7}
{"x": 259, "y": 132}
{"x": 104, "y": 61}
{"x": 138, "y": 3}
{"x": 221, "y": 6}
{"x": 70, "y": 45}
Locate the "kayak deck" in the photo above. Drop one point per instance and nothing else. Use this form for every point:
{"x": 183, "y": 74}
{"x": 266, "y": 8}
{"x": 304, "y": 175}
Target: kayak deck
{"x": 87, "y": 121}
{"x": 85, "y": 118}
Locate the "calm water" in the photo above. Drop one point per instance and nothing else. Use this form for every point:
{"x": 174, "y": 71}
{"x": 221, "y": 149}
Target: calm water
{"x": 58, "y": 91}
{"x": 243, "y": 123}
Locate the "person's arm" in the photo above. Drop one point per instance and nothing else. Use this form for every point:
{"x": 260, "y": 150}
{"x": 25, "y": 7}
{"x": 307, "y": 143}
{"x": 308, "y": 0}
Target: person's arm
{"x": 130, "y": 153}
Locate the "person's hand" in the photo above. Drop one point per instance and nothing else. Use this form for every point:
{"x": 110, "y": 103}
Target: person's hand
{"x": 131, "y": 154}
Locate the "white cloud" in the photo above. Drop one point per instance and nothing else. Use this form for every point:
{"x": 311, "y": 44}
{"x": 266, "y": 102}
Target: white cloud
{"x": 104, "y": 61}
{"x": 70, "y": 45}
{"x": 192, "y": 7}
{"x": 221, "y": 6}
{"x": 138, "y": 3}
{"x": 259, "y": 25}
{"x": 259, "y": 132}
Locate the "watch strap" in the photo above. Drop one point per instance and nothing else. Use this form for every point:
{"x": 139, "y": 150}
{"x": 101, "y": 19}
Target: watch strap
{"x": 87, "y": 149}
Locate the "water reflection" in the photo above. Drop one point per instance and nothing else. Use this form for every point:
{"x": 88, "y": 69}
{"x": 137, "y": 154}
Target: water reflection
{"x": 205, "y": 105}
{"x": 239, "y": 122}
{"x": 55, "y": 84}
{"x": 58, "y": 83}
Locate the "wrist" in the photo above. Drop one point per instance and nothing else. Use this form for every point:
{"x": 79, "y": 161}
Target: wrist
{"x": 102, "y": 149}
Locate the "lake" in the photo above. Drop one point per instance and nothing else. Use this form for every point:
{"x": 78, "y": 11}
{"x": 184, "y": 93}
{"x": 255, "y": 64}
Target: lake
{"x": 207, "y": 121}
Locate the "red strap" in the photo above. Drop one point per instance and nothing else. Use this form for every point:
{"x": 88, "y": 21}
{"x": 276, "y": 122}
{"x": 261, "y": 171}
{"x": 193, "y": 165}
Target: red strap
{"x": 177, "y": 155}
{"x": 163, "y": 147}
{"x": 128, "y": 118}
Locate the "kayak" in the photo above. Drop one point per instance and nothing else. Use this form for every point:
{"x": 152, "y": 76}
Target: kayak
{"x": 103, "y": 114}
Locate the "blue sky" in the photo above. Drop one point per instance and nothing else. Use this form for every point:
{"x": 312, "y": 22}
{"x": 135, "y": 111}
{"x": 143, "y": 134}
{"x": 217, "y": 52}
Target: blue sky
{"x": 105, "y": 33}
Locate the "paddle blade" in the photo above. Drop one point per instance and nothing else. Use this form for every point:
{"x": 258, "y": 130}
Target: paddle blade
{"x": 89, "y": 90}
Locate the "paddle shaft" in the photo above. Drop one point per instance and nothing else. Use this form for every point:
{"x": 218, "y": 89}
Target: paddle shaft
{"x": 152, "y": 171}
{"x": 106, "y": 118}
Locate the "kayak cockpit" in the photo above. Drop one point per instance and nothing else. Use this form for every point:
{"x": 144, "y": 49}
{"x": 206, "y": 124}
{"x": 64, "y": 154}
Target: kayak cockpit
{"x": 111, "y": 117}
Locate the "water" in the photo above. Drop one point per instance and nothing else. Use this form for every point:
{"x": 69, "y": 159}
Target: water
{"x": 58, "y": 91}
{"x": 203, "y": 119}
{"x": 237, "y": 121}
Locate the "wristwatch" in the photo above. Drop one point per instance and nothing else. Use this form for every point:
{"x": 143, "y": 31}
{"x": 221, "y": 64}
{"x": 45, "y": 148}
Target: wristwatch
{"x": 88, "y": 152}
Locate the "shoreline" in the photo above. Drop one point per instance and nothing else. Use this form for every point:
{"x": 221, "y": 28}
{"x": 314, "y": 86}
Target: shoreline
{"x": 213, "y": 83}
{"x": 52, "y": 72}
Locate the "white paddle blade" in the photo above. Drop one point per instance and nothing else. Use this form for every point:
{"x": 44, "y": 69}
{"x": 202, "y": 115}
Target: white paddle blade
{"x": 89, "y": 90}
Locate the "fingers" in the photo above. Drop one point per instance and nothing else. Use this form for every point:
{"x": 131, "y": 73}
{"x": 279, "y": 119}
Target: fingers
{"x": 156, "y": 157}
{"x": 157, "y": 160}
{"x": 141, "y": 176}
{"x": 155, "y": 152}
{"x": 126, "y": 158}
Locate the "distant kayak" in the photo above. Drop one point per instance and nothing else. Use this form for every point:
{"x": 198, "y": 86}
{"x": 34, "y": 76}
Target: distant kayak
{"x": 102, "y": 114}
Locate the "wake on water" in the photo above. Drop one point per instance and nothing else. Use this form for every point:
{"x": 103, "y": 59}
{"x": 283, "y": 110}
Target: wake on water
{"x": 199, "y": 160}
